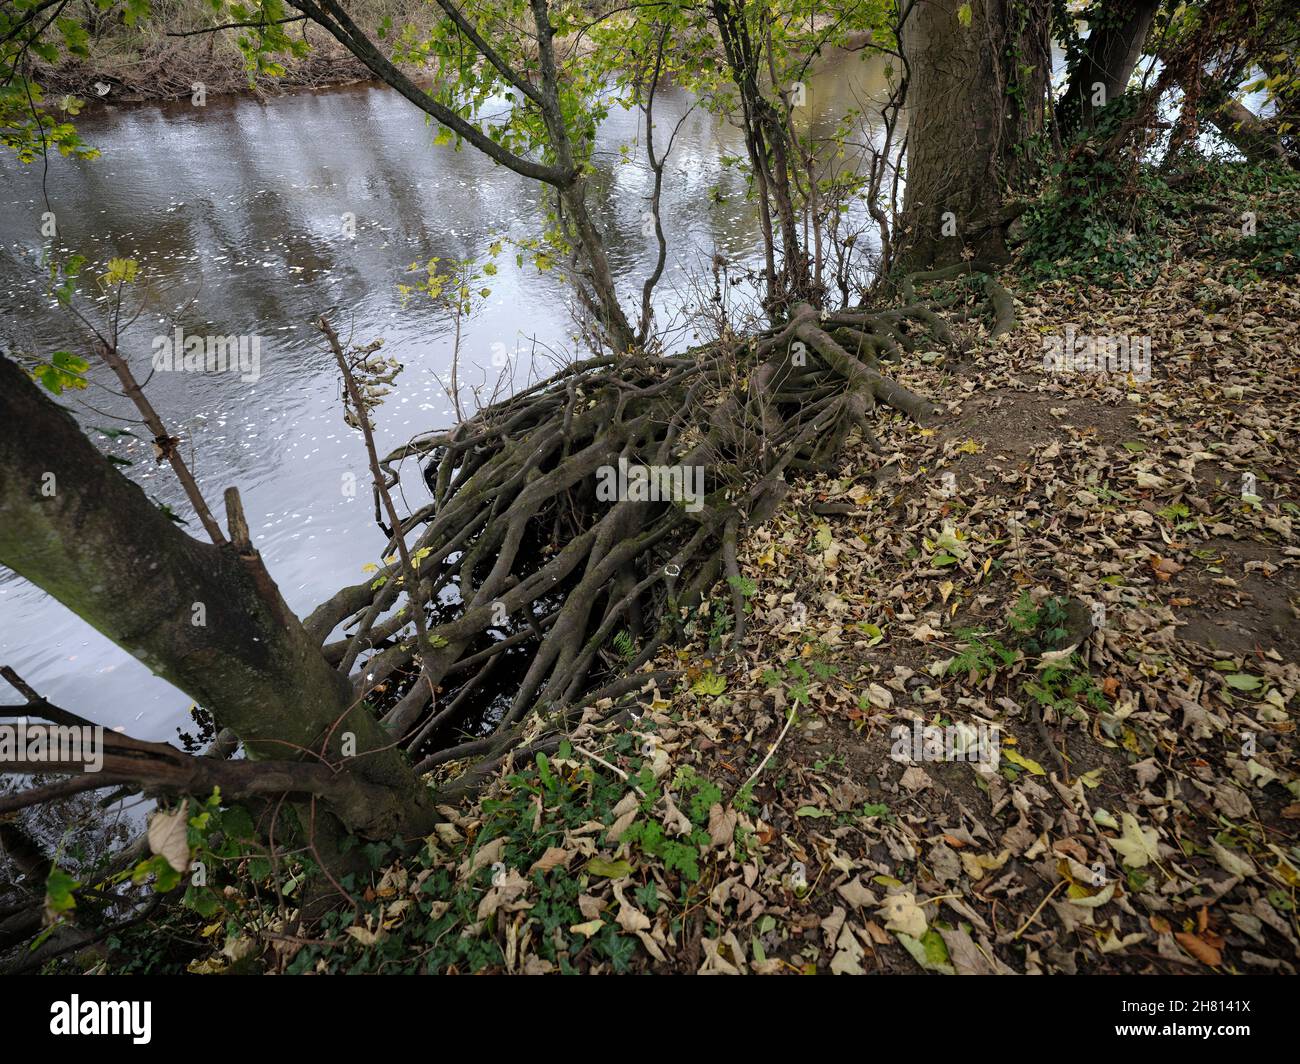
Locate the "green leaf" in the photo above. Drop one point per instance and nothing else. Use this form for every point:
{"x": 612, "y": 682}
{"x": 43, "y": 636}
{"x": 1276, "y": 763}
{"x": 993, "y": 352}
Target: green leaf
{"x": 1242, "y": 681}
{"x": 544, "y": 771}
{"x": 598, "y": 866}
{"x": 75, "y": 36}
{"x": 64, "y": 370}
{"x": 743, "y": 584}
{"x": 202, "y": 900}
{"x": 873, "y": 632}
{"x": 69, "y": 362}
{"x": 58, "y": 891}
{"x": 963, "y": 14}
{"x": 709, "y": 684}
{"x": 929, "y": 951}
{"x": 165, "y": 876}
{"x": 237, "y": 822}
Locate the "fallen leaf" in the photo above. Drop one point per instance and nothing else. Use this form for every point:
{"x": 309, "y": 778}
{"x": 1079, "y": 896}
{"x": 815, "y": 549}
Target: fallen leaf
{"x": 1199, "y": 948}
{"x": 168, "y": 836}
{"x": 1137, "y": 844}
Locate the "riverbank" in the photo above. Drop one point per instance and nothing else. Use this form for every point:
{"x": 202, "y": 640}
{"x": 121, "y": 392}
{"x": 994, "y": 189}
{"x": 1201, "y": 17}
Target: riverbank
{"x": 152, "y": 66}
{"x": 1098, "y": 573}
{"x": 1068, "y": 562}
{"x": 166, "y": 60}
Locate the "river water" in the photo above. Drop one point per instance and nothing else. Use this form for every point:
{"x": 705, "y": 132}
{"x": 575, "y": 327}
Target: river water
{"x": 239, "y": 214}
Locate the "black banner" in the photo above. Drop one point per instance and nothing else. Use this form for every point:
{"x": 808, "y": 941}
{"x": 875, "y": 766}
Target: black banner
{"x": 143, "y": 1014}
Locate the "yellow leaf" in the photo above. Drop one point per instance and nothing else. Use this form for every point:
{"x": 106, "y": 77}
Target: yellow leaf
{"x": 1026, "y": 763}
{"x": 1137, "y": 845}
{"x": 364, "y": 935}
{"x": 168, "y": 836}
{"x": 121, "y": 271}
{"x": 589, "y": 928}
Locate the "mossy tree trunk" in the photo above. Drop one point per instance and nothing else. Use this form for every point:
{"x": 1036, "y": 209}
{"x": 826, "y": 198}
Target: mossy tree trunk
{"x": 207, "y": 618}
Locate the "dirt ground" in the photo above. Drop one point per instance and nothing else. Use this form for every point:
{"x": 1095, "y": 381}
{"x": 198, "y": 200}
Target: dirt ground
{"x": 1097, "y": 571}
{"x": 1017, "y": 695}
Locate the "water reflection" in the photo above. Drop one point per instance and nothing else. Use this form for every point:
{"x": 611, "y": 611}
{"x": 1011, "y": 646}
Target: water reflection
{"x": 236, "y": 215}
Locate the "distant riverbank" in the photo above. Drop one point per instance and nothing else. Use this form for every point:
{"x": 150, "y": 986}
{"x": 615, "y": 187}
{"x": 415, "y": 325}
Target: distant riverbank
{"x": 158, "y": 67}
{"x": 169, "y": 59}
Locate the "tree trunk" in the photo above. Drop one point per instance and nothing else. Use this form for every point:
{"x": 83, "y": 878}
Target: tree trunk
{"x": 564, "y": 175}
{"x": 1244, "y": 130}
{"x": 767, "y": 142}
{"x": 1110, "y": 55}
{"x": 207, "y": 618}
{"x": 974, "y": 102}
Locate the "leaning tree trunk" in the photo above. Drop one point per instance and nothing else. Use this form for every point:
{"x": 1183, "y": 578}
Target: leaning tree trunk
{"x": 975, "y": 91}
{"x": 207, "y": 618}
{"x": 1242, "y": 128}
{"x": 1110, "y": 55}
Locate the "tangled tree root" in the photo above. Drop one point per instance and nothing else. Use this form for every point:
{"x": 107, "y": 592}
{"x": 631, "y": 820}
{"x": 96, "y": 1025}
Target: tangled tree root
{"x": 521, "y": 557}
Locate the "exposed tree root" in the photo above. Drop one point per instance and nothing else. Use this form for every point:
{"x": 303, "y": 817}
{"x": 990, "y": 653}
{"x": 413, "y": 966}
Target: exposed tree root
{"x": 520, "y": 555}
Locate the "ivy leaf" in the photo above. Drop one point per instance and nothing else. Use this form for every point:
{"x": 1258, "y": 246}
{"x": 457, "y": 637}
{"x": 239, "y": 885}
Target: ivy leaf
{"x": 202, "y": 900}
{"x": 58, "y": 891}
